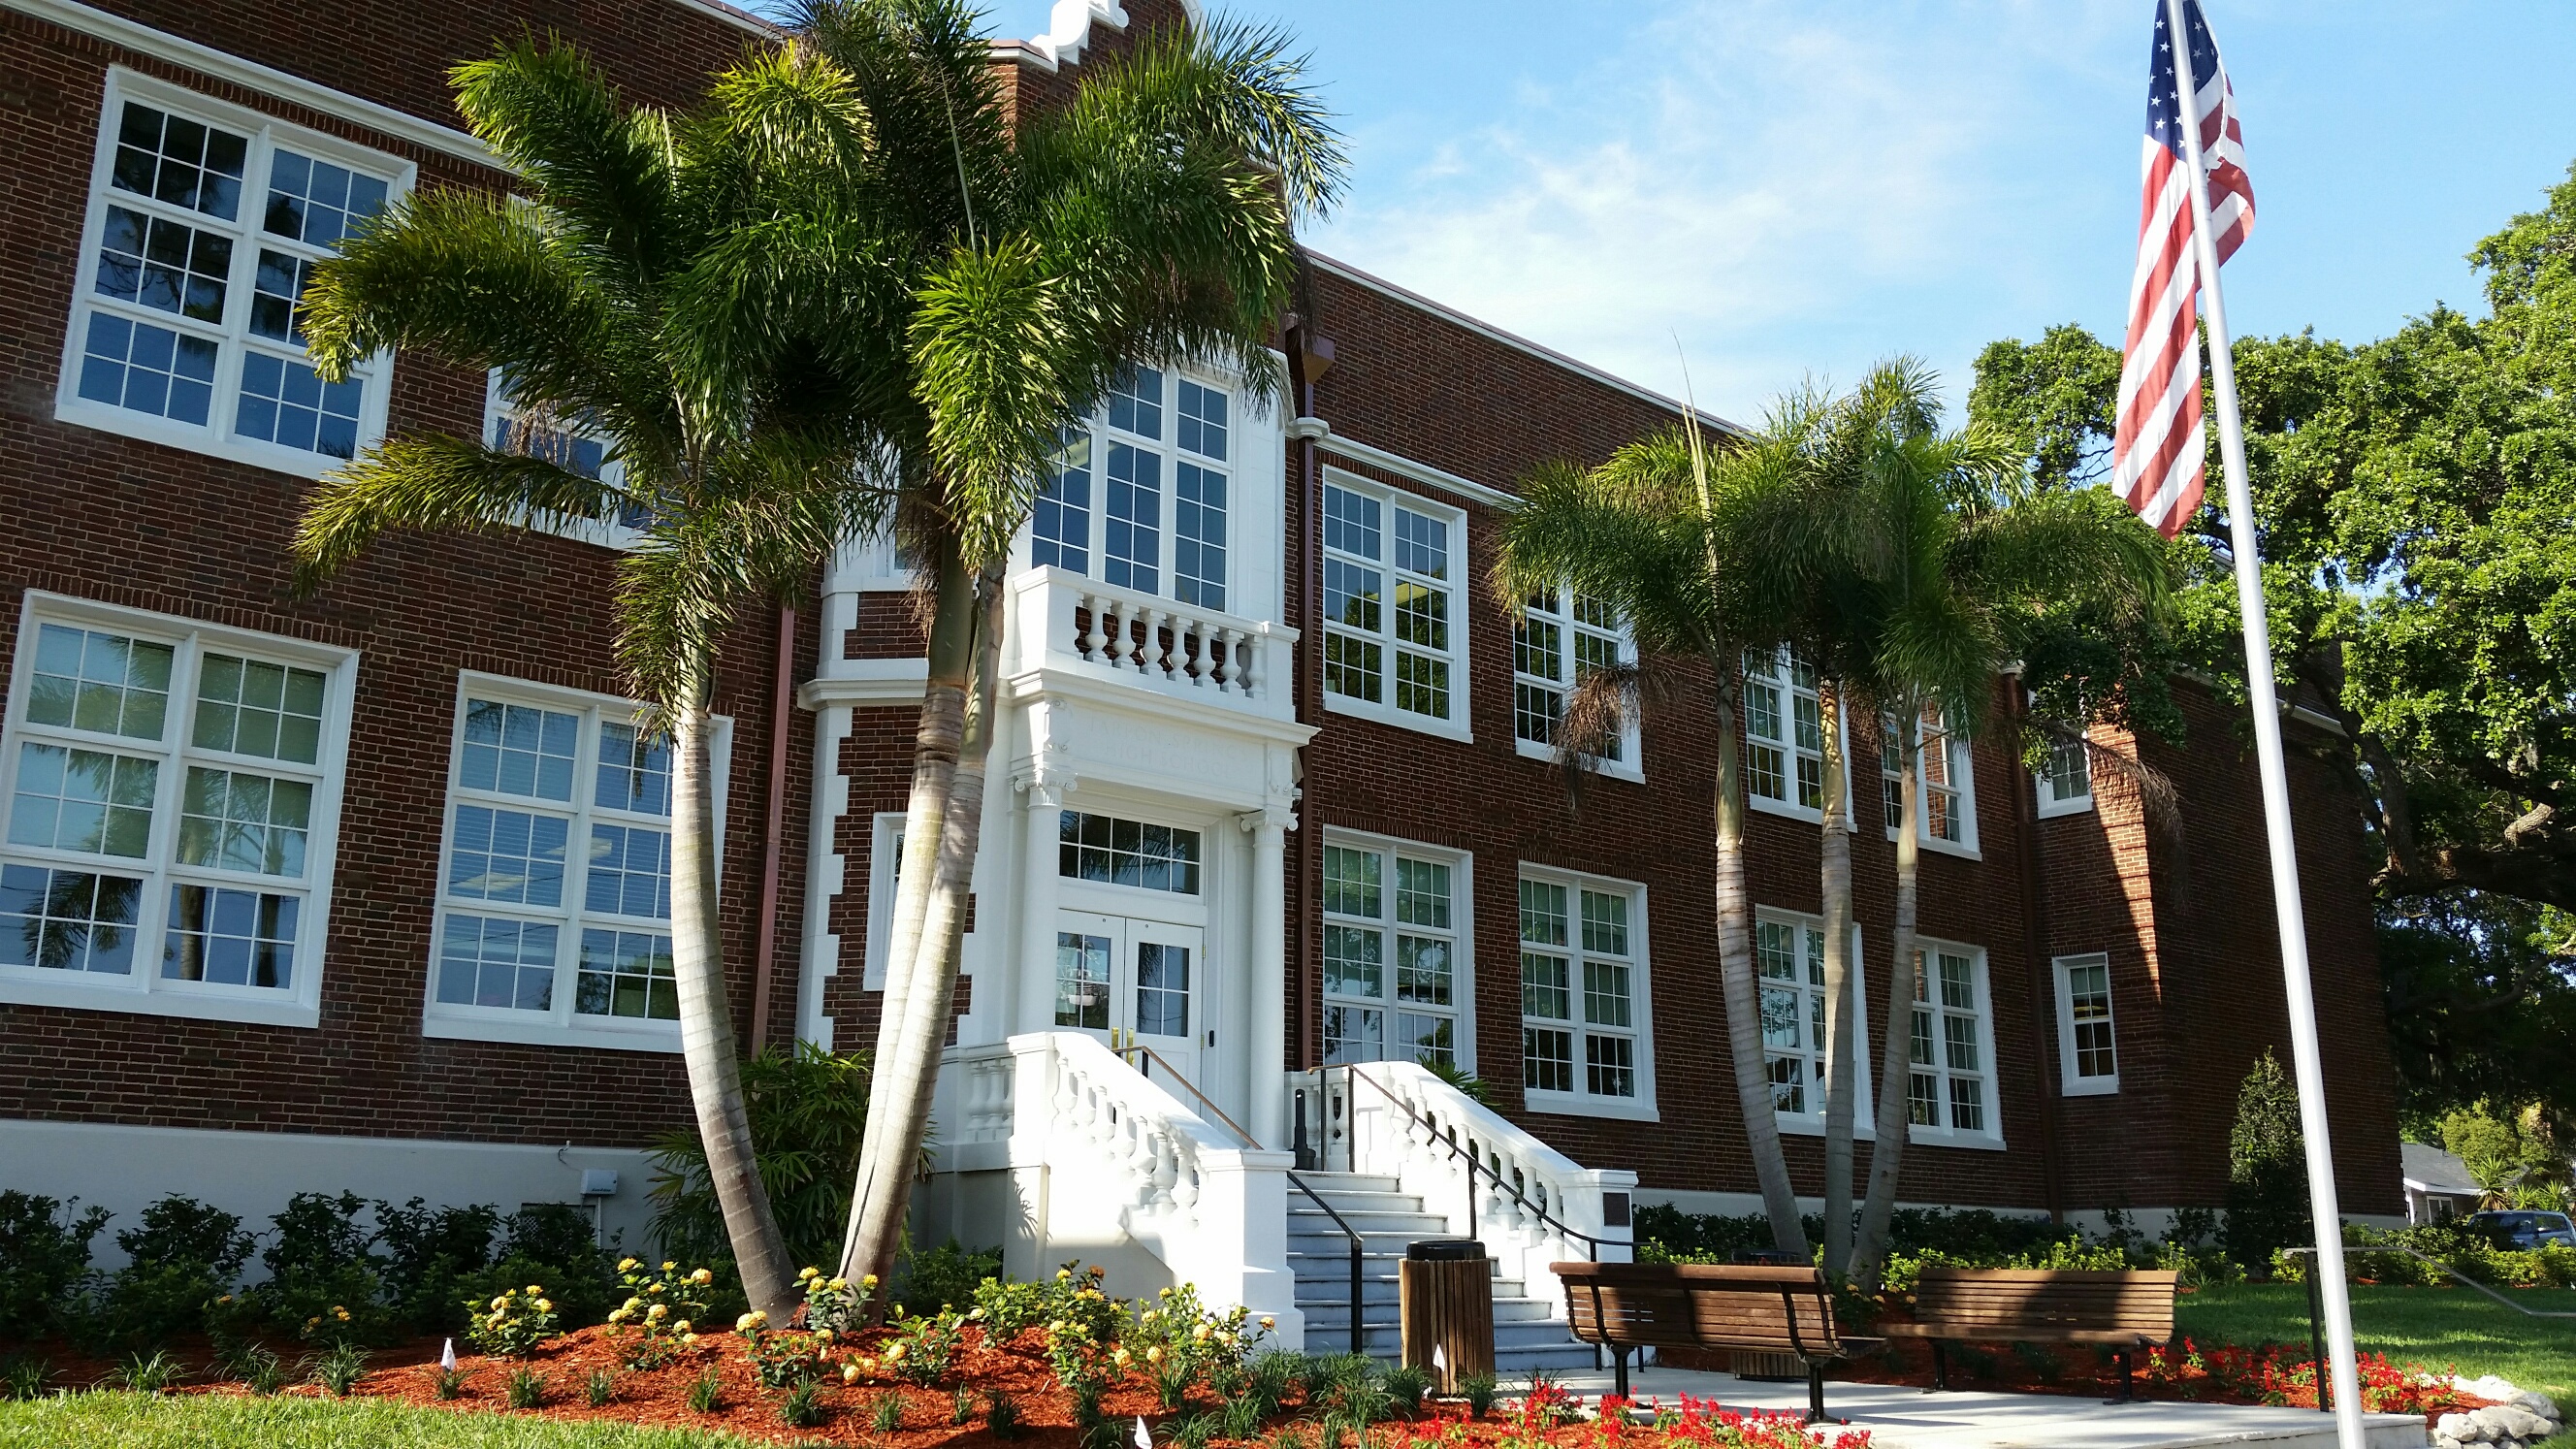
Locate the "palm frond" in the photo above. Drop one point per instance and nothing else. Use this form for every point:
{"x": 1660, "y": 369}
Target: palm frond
{"x": 432, "y": 484}
{"x": 558, "y": 122}
{"x": 987, "y": 345}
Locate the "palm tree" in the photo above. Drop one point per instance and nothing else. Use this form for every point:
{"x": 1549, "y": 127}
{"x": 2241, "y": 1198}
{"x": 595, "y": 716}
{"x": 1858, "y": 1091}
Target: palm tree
{"x": 1147, "y": 219}
{"x": 1658, "y": 532}
{"x": 1947, "y": 549}
{"x": 643, "y": 288}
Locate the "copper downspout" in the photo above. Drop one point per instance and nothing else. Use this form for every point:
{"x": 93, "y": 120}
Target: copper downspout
{"x": 773, "y": 844}
{"x": 2035, "y": 942}
{"x": 1308, "y": 356}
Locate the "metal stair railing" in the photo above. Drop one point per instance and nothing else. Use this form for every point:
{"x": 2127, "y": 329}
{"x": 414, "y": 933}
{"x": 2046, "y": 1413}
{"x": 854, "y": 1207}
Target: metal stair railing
{"x": 1146, "y": 1056}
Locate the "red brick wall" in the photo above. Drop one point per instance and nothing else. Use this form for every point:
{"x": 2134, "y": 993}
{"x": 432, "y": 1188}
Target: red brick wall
{"x": 101, "y": 516}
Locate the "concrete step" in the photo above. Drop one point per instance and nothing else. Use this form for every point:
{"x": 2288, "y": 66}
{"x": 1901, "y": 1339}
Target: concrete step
{"x": 1402, "y": 1224}
{"x": 1513, "y": 1354}
{"x": 1507, "y": 1312}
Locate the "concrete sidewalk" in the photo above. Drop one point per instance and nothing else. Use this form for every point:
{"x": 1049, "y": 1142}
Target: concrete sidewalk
{"x": 1907, "y": 1418}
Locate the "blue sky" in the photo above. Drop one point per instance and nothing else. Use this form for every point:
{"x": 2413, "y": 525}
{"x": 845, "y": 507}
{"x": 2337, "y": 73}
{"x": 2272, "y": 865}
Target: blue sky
{"x": 1803, "y": 186}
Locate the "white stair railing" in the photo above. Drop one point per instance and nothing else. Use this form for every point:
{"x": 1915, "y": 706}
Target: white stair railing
{"x": 1529, "y": 1204}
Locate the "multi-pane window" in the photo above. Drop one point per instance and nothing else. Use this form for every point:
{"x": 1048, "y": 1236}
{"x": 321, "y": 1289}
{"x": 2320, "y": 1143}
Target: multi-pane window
{"x": 2088, "y": 1058}
{"x": 2066, "y": 784}
{"x": 1082, "y": 980}
{"x": 570, "y": 444}
{"x": 555, "y": 887}
{"x": 1392, "y": 641}
{"x": 1784, "y": 741}
{"x": 1789, "y": 956}
{"x": 1947, "y": 806}
{"x": 1143, "y": 489}
{"x": 171, "y": 793}
{"x": 1111, "y": 851}
{"x": 1390, "y": 956}
{"x": 1583, "y": 990}
{"x": 1949, "y": 1086}
{"x": 1563, "y": 639}
{"x": 205, "y": 225}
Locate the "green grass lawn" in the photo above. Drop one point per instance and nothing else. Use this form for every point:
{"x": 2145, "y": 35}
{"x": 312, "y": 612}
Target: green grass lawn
{"x": 132, "y": 1421}
{"x": 2436, "y": 1327}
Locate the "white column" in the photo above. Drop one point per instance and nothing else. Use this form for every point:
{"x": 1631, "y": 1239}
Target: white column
{"x": 1266, "y": 976}
{"x": 1031, "y": 988}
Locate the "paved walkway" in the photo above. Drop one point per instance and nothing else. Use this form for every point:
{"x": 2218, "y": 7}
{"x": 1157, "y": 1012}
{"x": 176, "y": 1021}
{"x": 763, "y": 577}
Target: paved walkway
{"x": 1905, "y": 1418}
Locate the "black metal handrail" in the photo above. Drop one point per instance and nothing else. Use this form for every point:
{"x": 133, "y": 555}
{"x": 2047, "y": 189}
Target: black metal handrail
{"x": 1358, "y": 1244}
{"x": 2317, "y": 1307}
{"x": 1592, "y": 1245}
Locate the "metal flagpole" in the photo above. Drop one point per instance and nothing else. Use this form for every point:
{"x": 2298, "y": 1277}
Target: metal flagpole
{"x": 2309, "y": 1065}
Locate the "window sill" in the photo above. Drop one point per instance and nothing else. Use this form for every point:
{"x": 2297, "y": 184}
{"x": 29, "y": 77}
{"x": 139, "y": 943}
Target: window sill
{"x": 1576, "y": 1104}
{"x": 1608, "y": 769}
{"x": 664, "y": 1039}
{"x": 1784, "y": 809}
{"x": 188, "y": 437}
{"x": 1970, "y": 1141}
{"x": 2090, "y": 1087}
{"x": 1864, "y": 1128}
{"x": 2051, "y": 810}
{"x": 1400, "y": 719}
{"x": 1944, "y": 847}
{"x": 28, "y": 990}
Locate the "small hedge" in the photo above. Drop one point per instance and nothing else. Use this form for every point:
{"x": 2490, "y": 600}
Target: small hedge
{"x": 2375, "y": 1256}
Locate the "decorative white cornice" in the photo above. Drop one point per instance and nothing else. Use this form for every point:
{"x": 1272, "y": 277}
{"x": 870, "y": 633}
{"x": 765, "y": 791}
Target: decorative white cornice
{"x": 267, "y": 80}
{"x": 1323, "y": 436}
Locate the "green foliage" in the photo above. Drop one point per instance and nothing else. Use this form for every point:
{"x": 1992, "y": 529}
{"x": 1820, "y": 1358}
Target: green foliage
{"x": 184, "y": 1256}
{"x": 706, "y": 1391}
{"x": 1002, "y": 1414}
{"x": 662, "y": 1310}
{"x": 1006, "y": 1308}
{"x": 512, "y": 1323}
{"x": 325, "y": 1281}
{"x": 44, "y": 1255}
{"x": 425, "y": 1251}
{"x": 2504, "y": 1153}
{"x": 1406, "y": 1384}
{"x": 22, "y": 1377}
{"x": 802, "y": 1407}
{"x": 2388, "y": 1257}
{"x": 784, "y": 1357}
{"x": 1478, "y": 1391}
{"x": 2267, "y": 1173}
{"x": 944, "y": 1277}
{"x": 1460, "y": 1078}
{"x": 525, "y": 1388}
{"x": 885, "y": 1412}
{"x": 550, "y": 1243}
{"x": 924, "y": 1346}
{"x": 1665, "y": 1234}
{"x": 339, "y": 1367}
{"x": 448, "y": 1383}
{"x": 142, "y": 1373}
{"x": 599, "y": 1388}
{"x": 808, "y": 1109}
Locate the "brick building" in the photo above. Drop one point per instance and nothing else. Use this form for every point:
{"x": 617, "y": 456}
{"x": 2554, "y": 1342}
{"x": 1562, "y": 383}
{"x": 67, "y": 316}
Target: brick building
{"x": 294, "y": 892}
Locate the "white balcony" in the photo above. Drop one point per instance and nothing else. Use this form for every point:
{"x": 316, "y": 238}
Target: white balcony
{"x": 1064, "y": 623}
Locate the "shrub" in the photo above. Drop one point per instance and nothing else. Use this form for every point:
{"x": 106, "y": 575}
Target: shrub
{"x": 943, "y": 1277}
{"x": 781, "y": 1357}
{"x": 1006, "y": 1309}
{"x": 339, "y": 1367}
{"x": 550, "y": 1244}
{"x": 511, "y": 1324}
{"x": 1478, "y": 1391}
{"x": 1406, "y": 1385}
{"x": 426, "y": 1251}
{"x": 885, "y": 1412}
{"x": 324, "y": 1282}
{"x": 925, "y": 1346}
{"x": 802, "y": 1408}
{"x": 809, "y": 1111}
{"x": 447, "y": 1383}
{"x": 661, "y": 1311}
{"x": 2267, "y": 1177}
{"x": 184, "y": 1255}
{"x": 525, "y": 1388}
{"x": 44, "y": 1254}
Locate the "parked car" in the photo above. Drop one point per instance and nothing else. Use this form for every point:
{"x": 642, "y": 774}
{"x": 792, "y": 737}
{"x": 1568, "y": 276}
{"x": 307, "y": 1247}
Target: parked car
{"x": 2526, "y": 1229}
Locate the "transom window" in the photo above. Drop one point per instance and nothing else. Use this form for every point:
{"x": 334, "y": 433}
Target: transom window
{"x": 1393, "y": 645}
{"x": 172, "y": 798}
{"x": 1950, "y": 1087}
{"x": 2088, "y": 1056}
{"x": 1784, "y": 749}
{"x": 1563, "y": 638}
{"x": 1949, "y": 809}
{"x": 555, "y": 886}
{"x": 1144, "y": 491}
{"x": 204, "y": 228}
{"x": 1391, "y": 956}
{"x": 1584, "y": 1022}
{"x": 1111, "y": 851}
{"x": 1789, "y": 956}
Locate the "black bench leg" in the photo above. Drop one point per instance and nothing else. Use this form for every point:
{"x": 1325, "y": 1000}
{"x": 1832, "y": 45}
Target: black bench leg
{"x": 1619, "y": 1356}
{"x": 2121, "y": 1357}
{"x": 1940, "y": 1367}
{"x": 1815, "y": 1393}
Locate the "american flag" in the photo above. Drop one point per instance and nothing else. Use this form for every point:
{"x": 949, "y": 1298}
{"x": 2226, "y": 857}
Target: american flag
{"x": 2158, "y": 459}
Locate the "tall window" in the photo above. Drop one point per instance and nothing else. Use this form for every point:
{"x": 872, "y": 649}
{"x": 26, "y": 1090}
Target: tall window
{"x": 1584, "y": 1019}
{"x": 555, "y": 887}
{"x": 1784, "y": 759}
{"x": 1392, "y": 643}
{"x": 172, "y": 801}
{"x": 1144, "y": 490}
{"x": 205, "y": 223}
{"x": 1789, "y": 953}
{"x": 2066, "y": 784}
{"x": 1951, "y": 1080}
{"x": 1949, "y": 809}
{"x": 1563, "y": 639}
{"x": 1391, "y": 954}
{"x": 2088, "y": 1058}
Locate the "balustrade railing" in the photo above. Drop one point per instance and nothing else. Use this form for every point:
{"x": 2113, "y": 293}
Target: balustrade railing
{"x": 1189, "y": 652}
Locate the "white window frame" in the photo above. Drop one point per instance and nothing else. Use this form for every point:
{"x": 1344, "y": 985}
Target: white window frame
{"x": 502, "y": 421}
{"x": 1960, "y": 754}
{"x": 216, "y": 437}
{"x": 143, "y": 989}
{"x": 1809, "y": 935}
{"x": 1780, "y": 676}
{"x": 2044, "y": 781}
{"x": 560, "y": 1025}
{"x": 2071, "y": 1080}
{"x": 1455, "y": 584}
{"x": 1991, "y": 1135}
{"x": 885, "y": 852}
{"x": 1235, "y": 467}
{"x": 1461, "y": 934}
{"x": 1581, "y": 1102}
{"x": 1558, "y": 610}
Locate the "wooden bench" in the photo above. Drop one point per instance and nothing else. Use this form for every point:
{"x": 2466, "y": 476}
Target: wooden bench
{"x": 1627, "y": 1306}
{"x": 2119, "y": 1311}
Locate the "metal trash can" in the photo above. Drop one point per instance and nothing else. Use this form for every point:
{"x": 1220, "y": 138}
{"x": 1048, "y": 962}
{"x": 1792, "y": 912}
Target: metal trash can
{"x": 1760, "y": 1365}
{"x": 1445, "y": 1301}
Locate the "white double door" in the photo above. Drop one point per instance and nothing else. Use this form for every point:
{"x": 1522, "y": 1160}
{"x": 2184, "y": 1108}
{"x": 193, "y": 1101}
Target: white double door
{"x": 1128, "y": 980}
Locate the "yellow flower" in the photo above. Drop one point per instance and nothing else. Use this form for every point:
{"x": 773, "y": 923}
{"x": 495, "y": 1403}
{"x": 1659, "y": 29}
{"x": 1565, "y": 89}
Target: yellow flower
{"x": 1269, "y": 1322}
{"x": 869, "y": 1281}
{"x": 702, "y": 1276}
{"x": 1200, "y": 1333}
{"x": 1154, "y": 1354}
{"x": 544, "y": 1305}
{"x": 627, "y": 1265}
{"x": 314, "y": 1322}
{"x": 746, "y": 1323}
{"x": 682, "y": 1328}
{"x": 803, "y": 1274}
{"x": 631, "y": 1305}
{"x": 1063, "y": 1273}
{"x": 894, "y": 1352}
{"x": 849, "y": 1373}
{"x": 690, "y": 1339}
{"x": 652, "y": 1287}
{"x": 1121, "y": 1358}
{"x": 867, "y": 1365}
{"x": 822, "y": 1335}
{"x": 1166, "y": 1293}
{"x": 658, "y": 1312}
{"x": 501, "y": 1302}
{"x": 839, "y": 1285}
{"x": 341, "y": 1313}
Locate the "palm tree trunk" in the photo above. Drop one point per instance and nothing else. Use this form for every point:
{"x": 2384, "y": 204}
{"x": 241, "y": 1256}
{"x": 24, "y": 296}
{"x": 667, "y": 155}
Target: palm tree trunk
{"x": 1841, "y": 1055}
{"x": 908, "y": 1077}
{"x": 1895, "y": 1061}
{"x": 1743, "y": 993}
{"x": 706, "y": 1024}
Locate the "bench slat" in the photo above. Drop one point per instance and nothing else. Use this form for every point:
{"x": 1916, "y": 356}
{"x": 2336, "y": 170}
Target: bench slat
{"x": 2040, "y": 1304}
